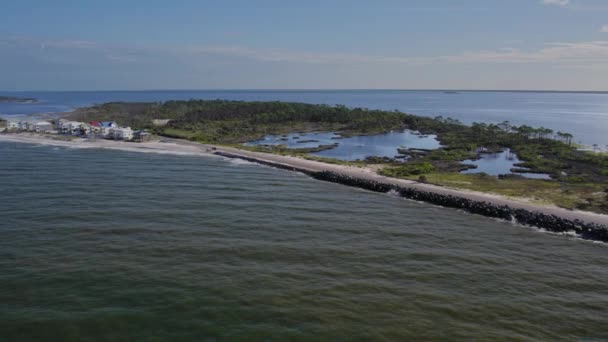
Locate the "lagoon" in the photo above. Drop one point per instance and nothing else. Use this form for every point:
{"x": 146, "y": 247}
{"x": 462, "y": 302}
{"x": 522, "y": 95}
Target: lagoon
{"x": 500, "y": 163}
{"x": 356, "y": 147}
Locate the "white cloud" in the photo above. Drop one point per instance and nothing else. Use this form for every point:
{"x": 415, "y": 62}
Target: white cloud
{"x": 604, "y": 29}
{"x": 556, "y": 2}
{"x": 580, "y": 53}
{"x": 593, "y": 6}
{"x": 564, "y": 53}
{"x": 70, "y": 64}
{"x": 559, "y": 53}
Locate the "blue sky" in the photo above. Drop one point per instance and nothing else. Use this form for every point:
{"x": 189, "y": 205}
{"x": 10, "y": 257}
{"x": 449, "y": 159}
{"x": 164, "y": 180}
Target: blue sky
{"x": 460, "y": 44}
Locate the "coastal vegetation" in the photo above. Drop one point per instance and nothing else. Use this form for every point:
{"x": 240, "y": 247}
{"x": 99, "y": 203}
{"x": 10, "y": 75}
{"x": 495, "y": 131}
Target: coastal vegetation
{"x": 540, "y": 149}
{"x": 579, "y": 178}
{"x": 221, "y": 121}
{"x": 583, "y": 196}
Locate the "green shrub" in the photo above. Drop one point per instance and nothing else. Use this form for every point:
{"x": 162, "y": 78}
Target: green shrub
{"x": 409, "y": 169}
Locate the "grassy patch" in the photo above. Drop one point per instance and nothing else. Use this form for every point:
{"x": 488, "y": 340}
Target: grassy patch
{"x": 180, "y": 133}
{"x": 584, "y": 196}
{"x": 409, "y": 169}
{"x": 335, "y": 161}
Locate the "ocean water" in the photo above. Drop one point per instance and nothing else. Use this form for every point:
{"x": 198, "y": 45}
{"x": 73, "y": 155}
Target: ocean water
{"x": 110, "y": 245}
{"x": 585, "y": 115}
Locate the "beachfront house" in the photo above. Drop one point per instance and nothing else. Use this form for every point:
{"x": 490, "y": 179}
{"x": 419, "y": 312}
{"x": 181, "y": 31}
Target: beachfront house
{"x": 60, "y": 124}
{"x": 30, "y": 126}
{"x": 121, "y": 133}
{"x": 75, "y": 128}
{"x": 106, "y": 128}
{"x": 69, "y": 127}
{"x": 26, "y": 126}
{"x": 94, "y": 128}
{"x": 12, "y": 125}
{"x": 42, "y": 127}
{"x": 109, "y": 124}
{"x": 142, "y": 136}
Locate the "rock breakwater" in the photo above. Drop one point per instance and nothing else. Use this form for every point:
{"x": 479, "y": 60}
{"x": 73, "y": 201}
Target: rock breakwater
{"x": 552, "y": 223}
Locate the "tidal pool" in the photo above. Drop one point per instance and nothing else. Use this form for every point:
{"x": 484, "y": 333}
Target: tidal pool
{"x": 500, "y": 163}
{"x": 353, "y": 148}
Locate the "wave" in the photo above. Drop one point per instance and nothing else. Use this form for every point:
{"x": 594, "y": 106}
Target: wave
{"x": 238, "y": 162}
{"x": 570, "y": 234}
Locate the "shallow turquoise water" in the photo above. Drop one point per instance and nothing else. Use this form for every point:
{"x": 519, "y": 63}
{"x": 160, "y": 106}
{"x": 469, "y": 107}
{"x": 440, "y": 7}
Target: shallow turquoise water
{"x": 109, "y": 245}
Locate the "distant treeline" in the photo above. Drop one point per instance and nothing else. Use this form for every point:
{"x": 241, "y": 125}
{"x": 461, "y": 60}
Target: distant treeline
{"x": 235, "y": 121}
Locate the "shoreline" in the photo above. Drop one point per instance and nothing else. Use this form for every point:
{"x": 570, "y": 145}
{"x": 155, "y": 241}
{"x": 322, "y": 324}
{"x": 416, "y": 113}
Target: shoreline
{"x": 348, "y": 175}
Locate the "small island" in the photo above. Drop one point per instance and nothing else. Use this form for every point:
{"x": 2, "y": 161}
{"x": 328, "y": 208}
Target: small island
{"x": 5, "y": 99}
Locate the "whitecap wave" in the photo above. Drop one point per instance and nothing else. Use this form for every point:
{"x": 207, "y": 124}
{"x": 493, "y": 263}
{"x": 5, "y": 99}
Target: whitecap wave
{"x": 393, "y": 192}
{"x": 239, "y": 162}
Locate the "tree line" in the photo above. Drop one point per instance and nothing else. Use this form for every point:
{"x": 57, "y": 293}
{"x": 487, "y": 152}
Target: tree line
{"x": 493, "y": 131}
{"x": 234, "y": 117}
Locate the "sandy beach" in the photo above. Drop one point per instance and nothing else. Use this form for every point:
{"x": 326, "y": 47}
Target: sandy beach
{"x": 180, "y": 147}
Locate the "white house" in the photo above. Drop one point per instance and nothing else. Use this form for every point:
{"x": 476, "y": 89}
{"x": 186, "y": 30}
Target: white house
{"x": 12, "y": 125}
{"x": 25, "y": 126}
{"x": 75, "y": 128}
{"x": 127, "y": 133}
{"x": 68, "y": 127}
{"x": 105, "y": 132}
{"x": 61, "y": 124}
{"x": 43, "y": 126}
{"x": 94, "y": 130}
{"x": 121, "y": 133}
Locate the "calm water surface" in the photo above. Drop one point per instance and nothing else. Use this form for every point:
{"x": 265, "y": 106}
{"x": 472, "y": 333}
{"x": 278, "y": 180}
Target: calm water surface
{"x": 500, "y": 163}
{"x": 109, "y": 245}
{"x": 353, "y": 148}
{"x": 585, "y": 115}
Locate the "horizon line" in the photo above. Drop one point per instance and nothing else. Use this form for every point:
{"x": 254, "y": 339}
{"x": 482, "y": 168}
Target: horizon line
{"x": 317, "y": 89}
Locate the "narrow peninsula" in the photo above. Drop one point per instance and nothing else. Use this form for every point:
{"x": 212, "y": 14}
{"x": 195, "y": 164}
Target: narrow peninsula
{"x": 548, "y": 174}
